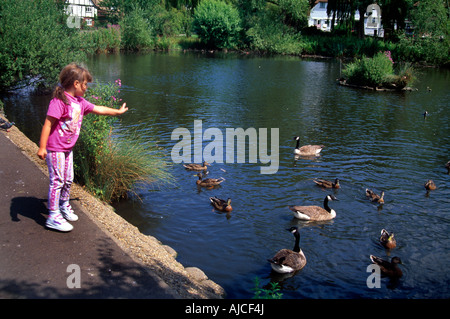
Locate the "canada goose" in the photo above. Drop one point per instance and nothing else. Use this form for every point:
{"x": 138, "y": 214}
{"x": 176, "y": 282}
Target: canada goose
{"x": 307, "y": 150}
{"x": 315, "y": 213}
{"x": 387, "y": 239}
{"x": 286, "y": 260}
{"x": 389, "y": 269}
{"x": 208, "y": 182}
{"x": 221, "y": 204}
{"x": 425, "y": 114}
{"x": 448, "y": 167}
{"x": 328, "y": 184}
{"x": 374, "y": 197}
{"x": 197, "y": 167}
{"x": 430, "y": 185}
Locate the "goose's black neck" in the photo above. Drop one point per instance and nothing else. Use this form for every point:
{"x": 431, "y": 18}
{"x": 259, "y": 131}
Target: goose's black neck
{"x": 325, "y": 205}
{"x": 298, "y": 144}
{"x": 297, "y": 242}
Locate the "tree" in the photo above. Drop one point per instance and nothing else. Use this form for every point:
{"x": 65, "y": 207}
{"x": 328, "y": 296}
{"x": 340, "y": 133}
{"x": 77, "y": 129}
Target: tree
{"x": 393, "y": 13}
{"x": 429, "y": 17}
{"x": 34, "y": 47}
{"x": 218, "y": 24}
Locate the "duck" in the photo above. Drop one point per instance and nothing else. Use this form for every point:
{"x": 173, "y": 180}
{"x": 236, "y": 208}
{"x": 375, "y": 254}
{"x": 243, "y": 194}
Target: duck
{"x": 209, "y": 182}
{"x": 307, "y": 150}
{"x": 389, "y": 269}
{"x": 286, "y": 260}
{"x": 328, "y": 184}
{"x": 387, "y": 239}
{"x": 197, "y": 167}
{"x": 430, "y": 185}
{"x": 221, "y": 204}
{"x": 374, "y": 197}
{"x": 315, "y": 213}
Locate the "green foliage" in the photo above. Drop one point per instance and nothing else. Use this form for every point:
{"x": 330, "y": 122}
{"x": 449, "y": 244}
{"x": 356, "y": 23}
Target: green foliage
{"x": 136, "y": 31}
{"x": 379, "y": 72}
{"x": 423, "y": 50}
{"x": 268, "y": 34}
{"x": 430, "y": 18}
{"x": 218, "y": 24}
{"x": 272, "y": 293}
{"x": 369, "y": 71}
{"x": 34, "y": 47}
{"x": 101, "y": 40}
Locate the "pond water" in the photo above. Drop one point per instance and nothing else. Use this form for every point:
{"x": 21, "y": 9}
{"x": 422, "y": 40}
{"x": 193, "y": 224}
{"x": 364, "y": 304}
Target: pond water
{"x": 377, "y": 140}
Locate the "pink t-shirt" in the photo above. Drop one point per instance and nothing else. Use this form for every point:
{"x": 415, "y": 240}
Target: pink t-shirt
{"x": 64, "y": 134}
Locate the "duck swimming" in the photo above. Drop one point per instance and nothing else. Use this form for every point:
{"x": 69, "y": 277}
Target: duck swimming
{"x": 286, "y": 260}
{"x": 387, "y": 239}
{"x": 328, "y": 184}
{"x": 389, "y": 269}
{"x": 209, "y": 182}
{"x": 197, "y": 167}
{"x": 430, "y": 185}
{"x": 315, "y": 213}
{"x": 221, "y": 204}
{"x": 374, "y": 197}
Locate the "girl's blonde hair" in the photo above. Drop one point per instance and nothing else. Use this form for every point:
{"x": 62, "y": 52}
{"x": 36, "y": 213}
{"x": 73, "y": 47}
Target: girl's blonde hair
{"x": 71, "y": 73}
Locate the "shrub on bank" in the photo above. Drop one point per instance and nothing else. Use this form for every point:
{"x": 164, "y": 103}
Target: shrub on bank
{"x": 378, "y": 72}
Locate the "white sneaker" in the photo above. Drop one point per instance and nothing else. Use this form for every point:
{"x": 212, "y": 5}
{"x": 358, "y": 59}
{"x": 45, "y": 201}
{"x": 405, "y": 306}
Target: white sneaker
{"x": 57, "y": 222}
{"x": 68, "y": 213}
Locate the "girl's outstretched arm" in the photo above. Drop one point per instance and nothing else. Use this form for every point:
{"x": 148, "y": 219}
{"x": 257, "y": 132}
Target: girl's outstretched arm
{"x": 104, "y": 110}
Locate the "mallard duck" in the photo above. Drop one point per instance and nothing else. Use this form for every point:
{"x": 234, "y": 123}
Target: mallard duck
{"x": 387, "y": 239}
{"x": 315, "y": 213}
{"x": 221, "y": 204}
{"x": 430, "y": 185}
{"x": 307, "y": 150}
{"x": 374, "y": 197}
{"x": 209, "y": 182}
{"x": 286, "y": 260}
{"x": 389, "y": 269}
{"x": 328, "y": 184}
{"x": 197, "y": 167}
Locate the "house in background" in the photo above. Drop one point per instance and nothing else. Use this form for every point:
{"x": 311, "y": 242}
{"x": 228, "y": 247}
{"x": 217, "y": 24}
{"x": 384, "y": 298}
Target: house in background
{"x": 87, "y": 10}
{"x": 372, "y": 18}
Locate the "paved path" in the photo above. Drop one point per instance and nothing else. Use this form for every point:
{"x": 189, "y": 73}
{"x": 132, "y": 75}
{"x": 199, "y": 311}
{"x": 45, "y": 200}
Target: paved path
{"x": 35, "y": 261}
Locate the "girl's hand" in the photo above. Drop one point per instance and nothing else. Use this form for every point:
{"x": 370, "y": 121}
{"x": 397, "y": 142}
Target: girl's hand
{"x": 42, "y": 153}
{"x": 123, "y": 108}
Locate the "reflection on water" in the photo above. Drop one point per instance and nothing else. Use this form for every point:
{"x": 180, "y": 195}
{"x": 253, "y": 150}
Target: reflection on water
{"x": 374, "y": 140}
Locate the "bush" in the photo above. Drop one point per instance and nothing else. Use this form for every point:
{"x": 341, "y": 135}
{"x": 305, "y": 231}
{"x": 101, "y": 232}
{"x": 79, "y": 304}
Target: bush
{"x": 369, "y": 71}
{"x": 136, "y": 31}
{"x": 268, "y": 34}
{"x": 217, "y": 24}
{"x": 102, "y": 40}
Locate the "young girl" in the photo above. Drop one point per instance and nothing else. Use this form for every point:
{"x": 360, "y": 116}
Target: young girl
{"x": 59, "y": 135}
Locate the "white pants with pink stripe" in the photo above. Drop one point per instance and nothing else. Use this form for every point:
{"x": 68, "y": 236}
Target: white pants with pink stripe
{"x": 60, "y": 169}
